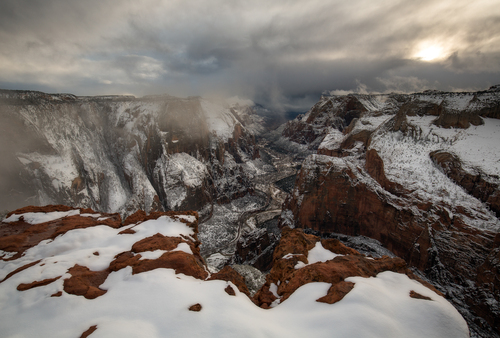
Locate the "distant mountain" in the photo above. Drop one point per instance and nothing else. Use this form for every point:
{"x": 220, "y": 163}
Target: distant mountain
{"x": 417, "y": 172}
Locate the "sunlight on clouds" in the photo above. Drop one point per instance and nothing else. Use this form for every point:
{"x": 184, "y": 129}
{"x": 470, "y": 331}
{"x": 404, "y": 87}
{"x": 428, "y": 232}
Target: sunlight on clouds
{"x": 430, "y": 52}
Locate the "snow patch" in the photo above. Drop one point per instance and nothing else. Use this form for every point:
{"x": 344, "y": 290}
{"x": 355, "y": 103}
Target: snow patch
{"x": 40, "y": 217}
{"x": 317, "y": 254}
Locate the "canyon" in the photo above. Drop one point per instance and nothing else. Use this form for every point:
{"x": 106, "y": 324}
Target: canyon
{"x": 408, "y": 180}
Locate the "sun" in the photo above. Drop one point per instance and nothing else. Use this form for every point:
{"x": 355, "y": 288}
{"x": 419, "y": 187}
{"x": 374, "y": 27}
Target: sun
{"x": 429, "y": 53}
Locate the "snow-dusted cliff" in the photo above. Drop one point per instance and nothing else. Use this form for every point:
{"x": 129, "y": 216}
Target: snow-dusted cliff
{"x": 121, "y": 154}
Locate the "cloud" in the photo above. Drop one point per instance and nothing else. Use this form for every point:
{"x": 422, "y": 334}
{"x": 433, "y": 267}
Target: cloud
{"x": 283, "y": 54}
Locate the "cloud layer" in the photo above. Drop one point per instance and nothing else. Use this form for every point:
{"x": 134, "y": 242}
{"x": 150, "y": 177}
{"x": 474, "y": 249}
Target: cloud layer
{"x": 281, "y": 53}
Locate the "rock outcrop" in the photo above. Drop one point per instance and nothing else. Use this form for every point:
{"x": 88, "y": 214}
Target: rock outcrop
{"x": 452, "y": 110}
{"x": 334, "y": 113}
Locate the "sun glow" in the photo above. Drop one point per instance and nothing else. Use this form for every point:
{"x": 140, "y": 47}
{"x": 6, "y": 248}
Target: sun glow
{"x": 429, "y": 53}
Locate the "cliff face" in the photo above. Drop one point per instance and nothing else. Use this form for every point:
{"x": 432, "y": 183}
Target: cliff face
{"x": 121, "y": 154}
{"x": 426, "y": 192}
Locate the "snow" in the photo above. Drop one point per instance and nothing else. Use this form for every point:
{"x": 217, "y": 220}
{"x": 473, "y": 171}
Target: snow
{"x": 315, "y": 255}
{"x": 152, "y": 254}
{"x": 41, "y": 217}
{"x": 155, "y": 303}
{"x": 320, "y": 254}
{"x": 91, "y": 215}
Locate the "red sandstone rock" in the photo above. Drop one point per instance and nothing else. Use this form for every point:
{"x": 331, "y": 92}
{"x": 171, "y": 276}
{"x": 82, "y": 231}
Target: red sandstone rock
{"x": 20, "y": 236}
{"x": 416, "y": 295}
{"x": 180, "y": 261}
{"x": 230, "y": 275}
{"x": 27, "y": 286}
{"x": 196, "y": 307}
{"x": 156, "y": 242}
{"x": 89, "y": 331}
{"x": 84, "y": 282}
{"x": 337, "y": 292}
{"x": 229, "y": 290}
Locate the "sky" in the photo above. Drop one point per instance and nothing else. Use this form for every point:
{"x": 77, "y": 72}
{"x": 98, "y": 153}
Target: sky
{"x": 281, "y": 54}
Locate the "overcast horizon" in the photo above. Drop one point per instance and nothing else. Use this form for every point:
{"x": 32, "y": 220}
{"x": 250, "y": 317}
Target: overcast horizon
{"x": 281, "y": 54}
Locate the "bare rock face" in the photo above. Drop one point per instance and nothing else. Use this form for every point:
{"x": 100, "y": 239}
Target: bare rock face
{"x": 462, "y": 119}
{"x": 255, "y": 249}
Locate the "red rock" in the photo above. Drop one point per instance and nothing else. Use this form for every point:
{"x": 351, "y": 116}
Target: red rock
{"x": 196, "y": 307}
{"x": 230, "y": 275}
{"x": 329, "y": 198}
{"x": 27, "y": 286}
{"x": 46, "y": 208}
{"x": 127, "y": 232}
{"x": 156, "y": 242}
{"x": 20, "y": 236}
{"x": 84, "y": 282}
{"x": 89, "y": 331}
{"x": 289, "y": 279}
{"x": 180, "y": 261}
{"x": 416, "y": 295}
{"x": 229, "y": 290}
{"x": 337, "y": 292}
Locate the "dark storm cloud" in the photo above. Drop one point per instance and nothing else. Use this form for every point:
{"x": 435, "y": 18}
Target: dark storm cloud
{"x": 279, "y": 53}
